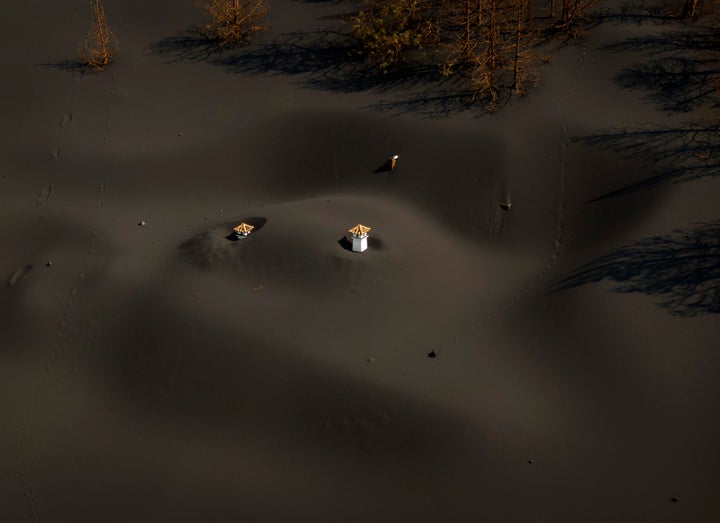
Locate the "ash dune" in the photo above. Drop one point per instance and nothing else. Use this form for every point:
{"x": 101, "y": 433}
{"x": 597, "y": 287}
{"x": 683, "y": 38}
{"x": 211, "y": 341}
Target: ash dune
{"x": 171, "y": 373}
{"x": 304, "y": 242}
{"x": 295, "y": 270}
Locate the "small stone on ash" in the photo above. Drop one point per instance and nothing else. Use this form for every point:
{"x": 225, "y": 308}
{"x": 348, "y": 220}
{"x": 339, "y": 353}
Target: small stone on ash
{"x": 432, "y": 354}
{"x": 674, "y": 499}
{"x": 370, "y": 360}
{"x": 48, "y": 264}
{"x": 531, "y": 461}
{"x": 142, "y": 223}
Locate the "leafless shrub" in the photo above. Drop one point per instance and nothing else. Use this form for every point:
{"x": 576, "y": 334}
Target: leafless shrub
{"x": 100, "y": 46}
{"x": 233, "y": 22}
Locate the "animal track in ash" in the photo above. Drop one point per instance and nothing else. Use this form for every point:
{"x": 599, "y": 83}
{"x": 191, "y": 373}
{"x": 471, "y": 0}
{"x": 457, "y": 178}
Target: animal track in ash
{"x": 45, "y": 194}
{"x": 66, "y": 120}
{"x": 561, "y": 212}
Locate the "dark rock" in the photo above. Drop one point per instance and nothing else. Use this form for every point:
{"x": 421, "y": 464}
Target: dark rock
{"x": 432, "y": 354}
{"x": 674, "y": 499}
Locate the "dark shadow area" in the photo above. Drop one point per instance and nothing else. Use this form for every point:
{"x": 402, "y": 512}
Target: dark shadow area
{"x": 640, "y": 12}
{"x": 683, "y": 75}
{"x": 376, "y": 243}
{"x": 191, "y": 45}
{"x": 326, "y": 61}
{"x": 327, "y": 58}
{"x": 70, "y": 66}
{"x": 445, "y": 98}
{"x": 682, "y": 268}
{"x": 190, "y": 373}
{"x": 386, "y": 167}
{"x": 683, "y": 153}
{"x": 345, "y": 243}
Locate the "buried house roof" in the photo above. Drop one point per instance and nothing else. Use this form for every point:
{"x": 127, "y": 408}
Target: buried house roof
{"x": 243, "y": 228}
{"x": 359, "y": 230}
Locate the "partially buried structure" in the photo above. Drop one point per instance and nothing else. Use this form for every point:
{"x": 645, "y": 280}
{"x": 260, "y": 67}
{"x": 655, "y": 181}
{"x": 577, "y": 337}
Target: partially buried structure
{"x": 359, "y": 237}
{"x": 242, "y": 230}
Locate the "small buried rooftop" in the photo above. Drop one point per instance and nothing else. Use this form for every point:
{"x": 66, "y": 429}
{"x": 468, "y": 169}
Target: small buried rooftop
{"x": 359, "y": 230}
{"x": 243, "y": 228}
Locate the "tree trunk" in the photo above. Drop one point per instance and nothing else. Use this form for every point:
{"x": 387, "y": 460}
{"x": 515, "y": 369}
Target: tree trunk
{"x": 688, "y": 9}
{"x": 467, "y": 34}
{"x": 516, "y": 58}
{"x": 491, "y": 56}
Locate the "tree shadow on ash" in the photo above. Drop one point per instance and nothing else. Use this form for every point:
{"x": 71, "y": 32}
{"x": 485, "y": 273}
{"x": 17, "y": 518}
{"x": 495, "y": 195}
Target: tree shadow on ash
{"x": 683, "y": 153}
{"x": 71, "y": 66}
{"x": 325, "y": 61}
{"x": 682, "y": 268}
{"x": 190, "y": 45}
{"x": 658, "y": 12}
{"x": 684, "y": 73}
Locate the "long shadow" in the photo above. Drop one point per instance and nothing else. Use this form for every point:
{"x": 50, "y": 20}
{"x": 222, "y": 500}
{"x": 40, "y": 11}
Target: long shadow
{"x": 325, "y": 60}
{"x": 435, "y": 103}
{"x": 327, "y": 63}
{"x": 328, "y": 59}
{"x": 190, "y": 45}
{"x": 682, "y": 268}
{"x": 70, "y": 66}
{"x": 658, "y": 12}
{"x": 683, "y": 153}
{"x": 683, "y": 75}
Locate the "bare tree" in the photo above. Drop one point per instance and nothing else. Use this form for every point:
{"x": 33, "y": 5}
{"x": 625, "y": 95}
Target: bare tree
{"x": 487, "y": 43}
{"x": 232, "y": 22}
{"x": 100, "y": 46}
{"x": 463, "y": 22}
